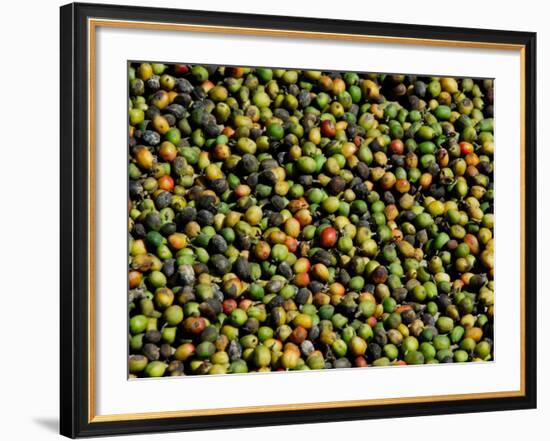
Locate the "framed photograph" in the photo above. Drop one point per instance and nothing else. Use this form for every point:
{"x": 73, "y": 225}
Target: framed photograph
{"x": 274, "y": 220}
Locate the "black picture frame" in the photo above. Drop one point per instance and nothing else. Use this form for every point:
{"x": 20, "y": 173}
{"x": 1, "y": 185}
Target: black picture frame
{"x": 74, "y": 393}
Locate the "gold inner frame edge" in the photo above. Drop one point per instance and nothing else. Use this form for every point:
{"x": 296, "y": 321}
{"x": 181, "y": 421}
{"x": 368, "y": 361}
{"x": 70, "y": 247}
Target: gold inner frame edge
{"x": 92, "y": 25}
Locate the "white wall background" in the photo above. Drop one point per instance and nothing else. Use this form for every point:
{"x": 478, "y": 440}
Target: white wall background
{"x": 29, "y": 222}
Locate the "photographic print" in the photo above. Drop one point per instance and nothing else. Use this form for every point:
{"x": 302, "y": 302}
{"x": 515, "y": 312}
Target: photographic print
{"x": 283, "y": 219}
